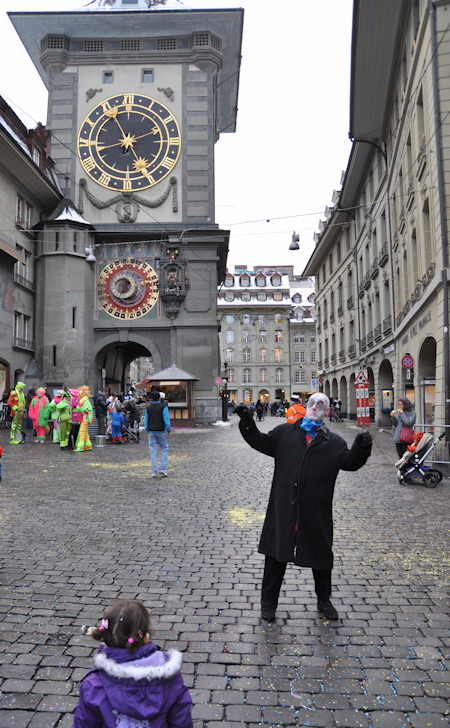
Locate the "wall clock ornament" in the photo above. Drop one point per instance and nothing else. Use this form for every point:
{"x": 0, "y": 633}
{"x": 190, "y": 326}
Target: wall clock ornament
{"x": 129, "y": 142}
{"x": 127, "y": 288}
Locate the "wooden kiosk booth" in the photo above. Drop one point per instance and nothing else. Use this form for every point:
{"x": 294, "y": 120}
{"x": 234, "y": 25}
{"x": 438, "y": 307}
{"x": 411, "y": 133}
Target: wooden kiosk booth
{"x": 177, "y": 386}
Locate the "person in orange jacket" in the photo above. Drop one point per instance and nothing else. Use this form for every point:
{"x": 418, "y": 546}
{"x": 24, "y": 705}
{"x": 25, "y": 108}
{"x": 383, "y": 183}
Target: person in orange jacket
{"x": 296, "y": 411}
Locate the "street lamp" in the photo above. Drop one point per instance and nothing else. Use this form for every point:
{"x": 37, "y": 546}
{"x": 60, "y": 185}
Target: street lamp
{"x": 224, "y": 392}
{"x": 295, "y": 241}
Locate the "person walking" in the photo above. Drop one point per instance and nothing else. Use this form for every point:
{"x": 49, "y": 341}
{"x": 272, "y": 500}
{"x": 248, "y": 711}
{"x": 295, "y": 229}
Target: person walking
{"x": 404, "y": 420}
{"x": 298, "y": 526}
{"x": 101, "y": 408}
{"x": 134, "y": 682}
{"x": 259, "y": 409}
{"x": 296, "y": 411}
{"x": 157, "y": 424}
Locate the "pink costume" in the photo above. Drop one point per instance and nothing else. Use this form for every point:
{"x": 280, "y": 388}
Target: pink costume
{"x": 38, "y": 414}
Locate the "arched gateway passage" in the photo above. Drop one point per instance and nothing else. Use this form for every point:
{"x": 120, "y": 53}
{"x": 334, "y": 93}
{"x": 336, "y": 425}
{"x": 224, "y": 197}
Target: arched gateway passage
{"x": 112, "y": 364}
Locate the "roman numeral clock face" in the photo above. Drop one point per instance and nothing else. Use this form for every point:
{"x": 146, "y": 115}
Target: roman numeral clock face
{"x": 129, "y": 142}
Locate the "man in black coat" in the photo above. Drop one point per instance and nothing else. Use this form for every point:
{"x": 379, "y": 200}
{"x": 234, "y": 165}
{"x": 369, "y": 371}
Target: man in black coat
{"x": 298, "y": 526}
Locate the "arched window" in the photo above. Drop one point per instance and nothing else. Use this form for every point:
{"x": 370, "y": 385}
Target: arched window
{"x": 278, "y": 354}
{"x": 244, "y": 280}
{"x": 229, "y": 281}
{"x": 276, "y": 279}
{"x": 263, "y": 354}
{"x": 260, "y": 280}
{"x": 278, "y": 375}
{"x": 246, "y": 319}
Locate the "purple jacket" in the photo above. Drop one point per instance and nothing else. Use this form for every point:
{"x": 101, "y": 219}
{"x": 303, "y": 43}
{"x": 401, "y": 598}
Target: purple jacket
{"x": 144, "y": 690}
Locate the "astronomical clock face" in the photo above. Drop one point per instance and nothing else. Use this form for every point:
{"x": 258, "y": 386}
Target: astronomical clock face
{"x": 129, "y": 142}
{"x": 127, "y": 288}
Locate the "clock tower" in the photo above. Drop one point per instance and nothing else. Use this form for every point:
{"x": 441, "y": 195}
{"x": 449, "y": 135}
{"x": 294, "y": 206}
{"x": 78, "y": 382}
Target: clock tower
{"x": 128, "y": 265}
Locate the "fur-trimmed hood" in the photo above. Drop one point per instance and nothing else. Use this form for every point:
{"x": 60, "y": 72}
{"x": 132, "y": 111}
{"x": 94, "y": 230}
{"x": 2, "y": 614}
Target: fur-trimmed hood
{"x": 152, "y": 665}
{"x": 127, "y": 689}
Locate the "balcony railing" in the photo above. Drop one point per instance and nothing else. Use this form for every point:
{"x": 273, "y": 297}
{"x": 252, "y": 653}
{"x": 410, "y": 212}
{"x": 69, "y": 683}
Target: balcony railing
{"x": 361, "y": 290}
{"x": 387, "y": 325}
{"x": 362, "y": 344}
{"x": 377, "y": 332}
{"x": 319, "y": 364}
{"x": 374, "y": 270}
{"x": 23, "y": 281}
{"x": 367, "y": 282}
{"x": 352, "y": 351}
{"x": 369, "y": 339}
{"x": 326, "y": 363}
{"x": 21, "y": 343}
{"x": 384, "y": 255}
{"x": 342, "y": 355}
{"x": 350, "y": 303}
{"x": 333, "y": 359}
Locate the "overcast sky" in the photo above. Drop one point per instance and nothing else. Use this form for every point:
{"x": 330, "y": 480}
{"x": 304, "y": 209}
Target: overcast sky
{"x": 291, "y": 142}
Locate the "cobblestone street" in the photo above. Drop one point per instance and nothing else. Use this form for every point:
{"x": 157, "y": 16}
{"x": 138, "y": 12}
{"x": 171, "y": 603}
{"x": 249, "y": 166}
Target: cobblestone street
{"x": 78, "y": 530}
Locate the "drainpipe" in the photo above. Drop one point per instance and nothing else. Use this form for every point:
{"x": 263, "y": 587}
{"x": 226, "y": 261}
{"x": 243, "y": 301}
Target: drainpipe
{"x": 442, "y": 206}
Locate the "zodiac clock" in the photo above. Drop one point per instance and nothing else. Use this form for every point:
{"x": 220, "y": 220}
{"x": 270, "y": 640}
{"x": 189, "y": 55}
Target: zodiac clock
{"x": 127, "y": 288}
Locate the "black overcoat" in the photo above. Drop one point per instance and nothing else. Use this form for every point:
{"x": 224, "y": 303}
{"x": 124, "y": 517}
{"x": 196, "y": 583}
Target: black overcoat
{"x": 298, "y": 526}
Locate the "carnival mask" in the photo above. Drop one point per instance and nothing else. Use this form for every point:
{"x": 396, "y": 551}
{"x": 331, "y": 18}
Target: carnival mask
{"x": 317, "y": 407}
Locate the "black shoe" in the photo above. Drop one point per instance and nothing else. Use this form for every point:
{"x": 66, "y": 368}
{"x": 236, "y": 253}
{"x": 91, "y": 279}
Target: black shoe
{"x": 268, "y": 614}
{"x": 327, "y": 609}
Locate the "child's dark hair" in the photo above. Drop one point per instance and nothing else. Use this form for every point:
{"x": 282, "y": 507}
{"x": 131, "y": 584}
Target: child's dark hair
{"x": 125, "y": 624}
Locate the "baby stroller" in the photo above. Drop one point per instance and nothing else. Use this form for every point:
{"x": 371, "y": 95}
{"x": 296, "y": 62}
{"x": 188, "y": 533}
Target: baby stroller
{"x": 129, "y": 433}
{"x": 411, "y": 467}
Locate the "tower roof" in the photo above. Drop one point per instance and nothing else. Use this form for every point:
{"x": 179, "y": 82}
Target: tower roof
{"x": 65, "y": 211}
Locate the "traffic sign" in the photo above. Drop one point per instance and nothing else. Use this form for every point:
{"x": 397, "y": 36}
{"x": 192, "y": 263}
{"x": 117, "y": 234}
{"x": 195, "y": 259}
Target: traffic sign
{"x": 361, "y": 377}
{"x": 407, "y": 361}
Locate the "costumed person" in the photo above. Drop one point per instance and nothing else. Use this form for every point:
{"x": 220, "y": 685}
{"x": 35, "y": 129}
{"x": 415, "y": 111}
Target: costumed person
{"x": 296, "y": 411}
{"x": 298, "y": 526}
{"x": 38, "y": 413}
{"x": 16, "y": 402}
{"x": 117, "y": 421}
{"x": 134, "y": 682}
{"x": 64, "y": 414}
{"x": 53, "y": 414}
{"x": 85, "y": 408}
{"x": 76, "y": 417}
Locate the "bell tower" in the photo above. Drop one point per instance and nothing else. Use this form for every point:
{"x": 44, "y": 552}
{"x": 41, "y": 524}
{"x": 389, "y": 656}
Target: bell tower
{"x": 139, "y": 91}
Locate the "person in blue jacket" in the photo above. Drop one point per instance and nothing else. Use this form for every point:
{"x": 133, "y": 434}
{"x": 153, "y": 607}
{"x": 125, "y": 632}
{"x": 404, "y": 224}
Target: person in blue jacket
{"x": 157, "y": 424}
{"x": 117, "y": 421}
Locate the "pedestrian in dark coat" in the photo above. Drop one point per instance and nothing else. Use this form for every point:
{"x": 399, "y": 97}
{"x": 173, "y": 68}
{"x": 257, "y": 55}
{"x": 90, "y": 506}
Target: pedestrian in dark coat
{"x": 298, "y": 526}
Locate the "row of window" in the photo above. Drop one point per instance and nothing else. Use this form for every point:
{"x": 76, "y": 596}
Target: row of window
{"x": 24, "y": 213}
{"x": 247, "y": 355}
{"x": 147, "y": 76}
{"x": 275, "y": 296}
{"x": 246, "y": 319}
{"x": 300, "y": 376}
{"x": 260, "y": 280}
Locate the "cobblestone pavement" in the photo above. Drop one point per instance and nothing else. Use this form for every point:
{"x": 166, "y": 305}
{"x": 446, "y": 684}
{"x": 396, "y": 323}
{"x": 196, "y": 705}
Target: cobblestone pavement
{"x": 77, "y": 530}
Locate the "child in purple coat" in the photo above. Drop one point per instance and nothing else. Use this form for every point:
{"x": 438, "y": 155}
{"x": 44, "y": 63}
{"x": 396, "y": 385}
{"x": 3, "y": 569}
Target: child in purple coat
{"x": 135, "y": 684}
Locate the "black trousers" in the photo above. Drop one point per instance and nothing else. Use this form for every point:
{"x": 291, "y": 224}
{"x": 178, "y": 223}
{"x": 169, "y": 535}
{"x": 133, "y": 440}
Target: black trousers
{"x": 401, "y": 448}
{"x": 273, "y": 578}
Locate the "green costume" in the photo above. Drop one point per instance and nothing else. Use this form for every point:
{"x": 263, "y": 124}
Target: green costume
{"x": 64, "y": 412}
{"x": 16, "y": 401}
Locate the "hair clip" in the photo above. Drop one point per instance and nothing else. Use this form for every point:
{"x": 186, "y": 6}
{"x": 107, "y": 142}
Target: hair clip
{"x": 130, "y": 640}
{"x": 104, "y": 625}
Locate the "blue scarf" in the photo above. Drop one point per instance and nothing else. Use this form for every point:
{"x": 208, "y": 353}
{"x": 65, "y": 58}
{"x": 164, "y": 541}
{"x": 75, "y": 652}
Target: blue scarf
{"x": 311, "y": 426}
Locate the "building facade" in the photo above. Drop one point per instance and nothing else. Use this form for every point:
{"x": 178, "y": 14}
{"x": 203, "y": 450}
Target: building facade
{"x": 267, "y": 333}
{"x": 28, "y": 190}
{"x": 381, "y": 255}
{"x": 138, "y": 96}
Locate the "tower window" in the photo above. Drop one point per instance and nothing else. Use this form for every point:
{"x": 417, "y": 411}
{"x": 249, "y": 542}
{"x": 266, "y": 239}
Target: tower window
{"x": 147, "y": 75}
{"x": 108, "y": 76}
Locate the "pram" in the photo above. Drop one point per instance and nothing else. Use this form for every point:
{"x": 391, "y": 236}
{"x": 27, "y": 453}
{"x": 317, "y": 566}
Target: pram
{"x": 411, "y": 467}
{"x": 130, "y": 433}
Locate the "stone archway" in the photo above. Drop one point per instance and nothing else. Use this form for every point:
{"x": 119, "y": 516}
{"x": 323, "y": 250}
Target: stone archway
{"x": 113, "y": 359}
{"x": 427, "y": 380}
{"x": 386, "y": 392}
{"x": 5, "y": 384}
{"x": 343, "y": 396}
{"x": 334, "y": 389}
{"x": 264, "y": 395}
{"x": 352, "y": 398}
{"x": 327, "y": 388}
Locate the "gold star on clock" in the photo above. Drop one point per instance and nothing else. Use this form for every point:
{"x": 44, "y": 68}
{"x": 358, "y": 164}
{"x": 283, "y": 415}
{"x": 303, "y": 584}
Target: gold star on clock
{"x": 140, "y": 164}
{"x": 128, "y": 141}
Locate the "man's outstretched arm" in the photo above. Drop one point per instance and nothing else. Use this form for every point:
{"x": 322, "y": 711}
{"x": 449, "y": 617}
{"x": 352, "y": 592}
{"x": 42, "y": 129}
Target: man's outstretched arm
{"x": 256, "y": 439}
{"x": 358, "y": 454}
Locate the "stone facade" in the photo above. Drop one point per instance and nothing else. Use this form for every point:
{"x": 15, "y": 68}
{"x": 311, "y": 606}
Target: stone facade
{"x": 28, "y": 189}
{"x": 381, "y": 253}
{"x": 267, "y": 338}
{"x": 187, "y": 63}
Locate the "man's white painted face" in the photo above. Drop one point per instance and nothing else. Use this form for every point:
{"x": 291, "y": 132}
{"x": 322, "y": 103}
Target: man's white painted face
{"x": 318, "y": 406}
